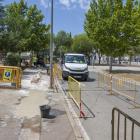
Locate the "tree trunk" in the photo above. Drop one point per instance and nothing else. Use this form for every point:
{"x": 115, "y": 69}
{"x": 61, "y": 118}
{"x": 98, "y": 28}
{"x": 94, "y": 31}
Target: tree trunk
{"x": 19, "y": 60}
{"x": 111, "y": 62}
{"x": 119, "y": 60}
{"x": 99, "y": 59}
{"x": 107, "y": 58}
{"x": 89, "y": 60}
{"x": 130, "y": 59}
{"x": 1, "y": 54}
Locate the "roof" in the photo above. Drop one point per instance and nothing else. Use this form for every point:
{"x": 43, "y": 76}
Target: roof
{"x": 74, "y": 54}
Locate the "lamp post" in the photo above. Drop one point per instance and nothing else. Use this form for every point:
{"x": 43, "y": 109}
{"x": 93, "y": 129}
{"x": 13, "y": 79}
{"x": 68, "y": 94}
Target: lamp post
{"x": 51, "y": 44}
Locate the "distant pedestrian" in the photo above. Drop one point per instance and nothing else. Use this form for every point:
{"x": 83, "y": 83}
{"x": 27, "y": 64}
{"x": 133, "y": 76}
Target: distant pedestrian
{"x": 35, "y": 61}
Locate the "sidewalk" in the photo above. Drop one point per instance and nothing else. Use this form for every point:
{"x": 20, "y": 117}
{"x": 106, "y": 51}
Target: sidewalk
{"x": 20, "y": 114}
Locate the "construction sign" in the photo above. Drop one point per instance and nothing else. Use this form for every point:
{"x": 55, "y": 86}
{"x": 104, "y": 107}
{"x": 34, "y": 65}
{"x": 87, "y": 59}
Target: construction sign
{"x": 7, "y": 74}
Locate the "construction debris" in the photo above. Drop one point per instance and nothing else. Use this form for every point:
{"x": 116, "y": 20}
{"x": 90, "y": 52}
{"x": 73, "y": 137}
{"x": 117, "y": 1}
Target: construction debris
{"x": 37, "y": 77}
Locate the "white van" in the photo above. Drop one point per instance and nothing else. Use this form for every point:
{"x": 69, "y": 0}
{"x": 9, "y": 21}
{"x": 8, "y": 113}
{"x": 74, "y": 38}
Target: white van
{"x": 74, "y": 65}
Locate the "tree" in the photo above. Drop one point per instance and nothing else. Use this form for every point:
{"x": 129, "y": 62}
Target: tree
{"x": 109, "y": 24}
{"x": 82, "y": 44}
{"x": 24, "y": 28}
{"x": 2, "y": 11}
{"x": 68, "y": 45}
{"x": 39, "y": 36}
{"x": 63, "y": 40}
{"x": 25, "y": 24}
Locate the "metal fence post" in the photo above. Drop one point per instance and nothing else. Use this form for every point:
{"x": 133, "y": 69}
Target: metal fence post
{"x": 18, "y": 78}
{"x": 112, "y": 122}
{"x": 134, "y": 93}
{"x": 111, "y": 86}
{"x": 16, "y": 86}
{"x": 69, "y": 87}
{"x": 53, "y": 80}
{"x": 79, "y": 100}
{"x": 98, "y": 79}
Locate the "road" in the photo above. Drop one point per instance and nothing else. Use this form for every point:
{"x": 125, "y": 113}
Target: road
{"x": 97, "y": 106}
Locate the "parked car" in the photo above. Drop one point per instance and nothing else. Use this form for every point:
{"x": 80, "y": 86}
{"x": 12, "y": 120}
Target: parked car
{"x": 126, "y": 58}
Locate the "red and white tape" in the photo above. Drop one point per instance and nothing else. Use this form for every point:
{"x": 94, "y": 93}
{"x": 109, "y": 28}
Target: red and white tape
{"x": 80, "y": 109}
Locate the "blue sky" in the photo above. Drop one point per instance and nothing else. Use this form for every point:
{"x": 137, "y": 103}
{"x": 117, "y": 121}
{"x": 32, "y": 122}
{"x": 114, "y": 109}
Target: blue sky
{"x": 68, "y": 14}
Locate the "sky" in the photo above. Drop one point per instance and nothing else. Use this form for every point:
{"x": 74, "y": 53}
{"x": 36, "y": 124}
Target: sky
{"x": 68, "y": 15}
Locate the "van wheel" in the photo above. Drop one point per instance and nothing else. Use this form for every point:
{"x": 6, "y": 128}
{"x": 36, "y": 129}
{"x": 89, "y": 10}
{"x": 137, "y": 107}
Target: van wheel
{"x": 64, "y": 78}
{"x": 85, "y": 79}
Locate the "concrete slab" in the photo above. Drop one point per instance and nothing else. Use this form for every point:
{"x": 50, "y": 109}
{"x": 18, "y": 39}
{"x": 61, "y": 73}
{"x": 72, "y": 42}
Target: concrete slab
{"x": 57, "y": 126}
{"x": 29, "y": 106}
{"x": 21, "y": 114}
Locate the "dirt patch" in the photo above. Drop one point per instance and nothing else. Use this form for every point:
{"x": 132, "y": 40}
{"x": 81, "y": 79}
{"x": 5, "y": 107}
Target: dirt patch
{"x": 132, "y": 75}
{"x": 6, "y": 87}
{"x": 33, "y": 124}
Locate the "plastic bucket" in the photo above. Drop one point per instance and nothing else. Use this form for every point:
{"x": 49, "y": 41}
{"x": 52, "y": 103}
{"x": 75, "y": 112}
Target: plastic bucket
{"x": 13, "y": 84}
{"x": 45, "y": 110}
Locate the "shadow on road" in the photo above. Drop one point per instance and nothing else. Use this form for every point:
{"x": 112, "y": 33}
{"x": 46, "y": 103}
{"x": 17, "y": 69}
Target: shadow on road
{"x": 93, "y": 116}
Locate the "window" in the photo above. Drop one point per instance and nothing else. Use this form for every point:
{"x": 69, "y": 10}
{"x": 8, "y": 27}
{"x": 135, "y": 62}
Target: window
{"x": 75, "y": 59}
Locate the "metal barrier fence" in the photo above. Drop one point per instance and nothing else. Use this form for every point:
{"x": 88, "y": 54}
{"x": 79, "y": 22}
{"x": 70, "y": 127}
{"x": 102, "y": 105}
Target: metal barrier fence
{"x": 104, "y": 79}
{"x": 60, "y": 73}
{"x": 74, "y": 90}
{"x": 53, "y": 79}
{"x": 56, "y": 68}
{"x": 54, "y": 61}
{"x": 118, "y": 128}
{"x": 121, "y": 85}
{"x": 14, "y": 77}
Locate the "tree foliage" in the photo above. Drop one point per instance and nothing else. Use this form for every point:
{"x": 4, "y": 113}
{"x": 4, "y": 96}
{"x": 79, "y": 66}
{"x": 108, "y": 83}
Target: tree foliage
{"x": 82, "y": 44}
{"x": 2, "y": 11}
{"x": 63, "y": 40}
{"x": 112, "y": 25}
{"x": 24, "y": 29}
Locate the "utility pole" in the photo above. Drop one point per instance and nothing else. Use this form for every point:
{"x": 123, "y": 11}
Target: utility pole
{"x": 51, "y": 44}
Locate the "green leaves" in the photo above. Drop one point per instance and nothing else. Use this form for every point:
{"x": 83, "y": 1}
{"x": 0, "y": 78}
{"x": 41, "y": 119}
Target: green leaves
{"x": 24, "y": 28}
{"x": 82, "y": 44}
{"x": 112, "y": 25}
{"x": 64, "y": 40}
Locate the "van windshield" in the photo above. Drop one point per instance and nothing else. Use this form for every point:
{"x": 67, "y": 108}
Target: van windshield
{"x": 75, "y": 59}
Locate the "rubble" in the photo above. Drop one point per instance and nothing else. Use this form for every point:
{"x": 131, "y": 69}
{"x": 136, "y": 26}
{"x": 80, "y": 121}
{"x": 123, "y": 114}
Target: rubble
{"x": 37, "y": 77}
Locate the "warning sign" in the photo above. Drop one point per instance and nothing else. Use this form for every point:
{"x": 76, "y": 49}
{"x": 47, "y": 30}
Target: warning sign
{"x": 7, "y": 74}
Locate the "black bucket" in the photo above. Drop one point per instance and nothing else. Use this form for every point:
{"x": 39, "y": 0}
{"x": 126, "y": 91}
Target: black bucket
{"x": 45, "y": 110}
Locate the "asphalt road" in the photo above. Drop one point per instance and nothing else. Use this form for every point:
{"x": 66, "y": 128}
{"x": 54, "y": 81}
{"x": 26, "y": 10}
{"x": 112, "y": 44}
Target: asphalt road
{"x": 97, "y": 107}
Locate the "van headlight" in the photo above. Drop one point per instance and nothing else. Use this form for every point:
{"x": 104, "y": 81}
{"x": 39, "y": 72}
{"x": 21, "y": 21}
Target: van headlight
{"x": 66, "y": 67}
{"x": 86, "y": 68}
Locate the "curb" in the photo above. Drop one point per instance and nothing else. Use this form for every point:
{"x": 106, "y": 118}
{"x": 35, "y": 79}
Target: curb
{"x": 77, "y": 127}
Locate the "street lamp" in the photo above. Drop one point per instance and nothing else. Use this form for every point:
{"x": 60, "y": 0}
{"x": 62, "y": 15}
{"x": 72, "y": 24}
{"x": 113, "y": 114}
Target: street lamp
{"x": 51, "y": 44}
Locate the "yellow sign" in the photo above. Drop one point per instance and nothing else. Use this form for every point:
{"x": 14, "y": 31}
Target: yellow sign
{"x": 7, "y": 74}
